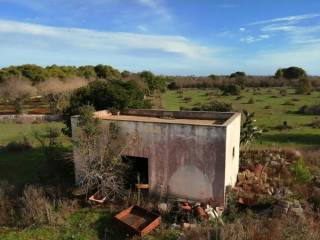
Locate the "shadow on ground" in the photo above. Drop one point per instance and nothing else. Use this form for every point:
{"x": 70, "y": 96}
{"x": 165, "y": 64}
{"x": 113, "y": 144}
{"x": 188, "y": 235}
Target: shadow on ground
{"x": 292, "y": 138}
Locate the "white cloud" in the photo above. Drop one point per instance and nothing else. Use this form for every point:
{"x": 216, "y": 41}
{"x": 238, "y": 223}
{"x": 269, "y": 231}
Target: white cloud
{"x": 252, "y": 39}
{"x": 108, "y": 40}
{"x": 291, "y": 29}
{"x": 242, "y": 29}
{"x": 132, "y": 51}
{"x": 157, "y": 7}
{"x": 142, "y": 28}
{"x": 289, "y": 19}
{"x": 277, "y": 27}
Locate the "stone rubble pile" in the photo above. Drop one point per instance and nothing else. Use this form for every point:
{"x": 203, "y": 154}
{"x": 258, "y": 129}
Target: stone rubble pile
{"x": 261, "y": 173}
{"x": 285, "y": 207}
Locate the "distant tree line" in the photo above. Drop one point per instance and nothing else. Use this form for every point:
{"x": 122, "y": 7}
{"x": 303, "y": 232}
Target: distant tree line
{"x": 293, "y": 76}
{"x": 67, "y": 88}
{"x": 37, "y": 74}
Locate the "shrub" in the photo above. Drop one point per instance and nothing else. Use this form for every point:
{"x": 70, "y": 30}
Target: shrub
{"x": 288, "y": 103}
{"x": 172, "y": 85}
{"x": 249, "y": 131}
{"x": 268, "y": 107}
{"x": 37, "y": 208}
{"x": 215, "y": 106}
{"x": 283, "y": 126}
{"x": 301, "y": 171}
{"x": 19, "y": 146}
{"x": 187, "y": 99}
{"x": 7, "y": 212}
{"x": 65, "y": 209}
{"x": 251, "y": 101}
{"x": 315, "y": 123}
{"x": 283, "y": 92}
{"x": 310, "y": 110}
{"x": 304, "y": 86}
{"x": 231, "y": 89}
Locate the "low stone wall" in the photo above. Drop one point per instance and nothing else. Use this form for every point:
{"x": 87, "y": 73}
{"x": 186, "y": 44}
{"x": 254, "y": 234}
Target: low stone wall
{"x": 30, "y": 117}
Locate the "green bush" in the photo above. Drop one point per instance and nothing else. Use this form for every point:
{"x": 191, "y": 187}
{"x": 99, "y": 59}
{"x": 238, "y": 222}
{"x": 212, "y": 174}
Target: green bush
{"x": 187, "y": 99}
{"x": 301, "y": 172}
{"x": 304, "y": 86}
{"x": 310, "y": 110}
{"x": 290, "y": 73}
{"x": 251, "y": 101}
{"x": 231, "y": 89}
{"x": 215, "y": 106}
{"x": 115, "y": 94}
{"x": 19, "y": 146}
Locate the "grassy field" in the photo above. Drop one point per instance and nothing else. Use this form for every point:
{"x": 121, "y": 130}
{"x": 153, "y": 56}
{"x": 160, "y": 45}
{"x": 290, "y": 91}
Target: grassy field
{"x": 84, "y": 224}
{"x": 270, "y": 109}
{"x": 20, "y": 167}
{"x": 17, "y": 131}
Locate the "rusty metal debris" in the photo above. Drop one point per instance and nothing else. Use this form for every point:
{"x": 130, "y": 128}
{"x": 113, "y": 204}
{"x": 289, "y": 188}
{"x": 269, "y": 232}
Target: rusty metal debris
{"x": 194, "y": 212}
{"x": 98, "y": 198}
{"x": 138, "y": 221}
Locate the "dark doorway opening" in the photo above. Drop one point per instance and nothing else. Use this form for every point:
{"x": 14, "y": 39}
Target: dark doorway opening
{"x": 137, "y": 169}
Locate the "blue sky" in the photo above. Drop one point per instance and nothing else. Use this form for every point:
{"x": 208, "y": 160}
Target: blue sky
{"x": 176, "y": 37}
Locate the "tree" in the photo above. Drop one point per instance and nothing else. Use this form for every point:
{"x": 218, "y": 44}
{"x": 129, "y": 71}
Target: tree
{"x": 87, "y": 71}
{"x": 154, "y": 82}
{"x": 102, "y": 95}
{"x": 279, "y": 73}
{"x": 125, "y": 74}
{"x": 212, "y": 76}
{"x": 231, "y": 89}
{"x": 57, "y": 91}
{"x": 304, "y": 86}
{"x": 16, "y": 92}
{"x": 237, "y": 74}
{"x": 291, "y": 73}
{"x": 107, "y": 72}
{"x": 33, "y": 72}
{"x": 55, "y": 71}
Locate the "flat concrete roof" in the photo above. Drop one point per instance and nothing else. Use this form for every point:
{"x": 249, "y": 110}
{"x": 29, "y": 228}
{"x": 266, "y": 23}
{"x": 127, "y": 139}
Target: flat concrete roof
{"x": 174, "y": 117}
{"x": 159, "y": 120}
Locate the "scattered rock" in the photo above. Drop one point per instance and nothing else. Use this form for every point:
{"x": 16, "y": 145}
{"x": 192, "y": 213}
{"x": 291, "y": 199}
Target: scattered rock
{"x": 188, "y": 226}
{"x": 163, "y": 207}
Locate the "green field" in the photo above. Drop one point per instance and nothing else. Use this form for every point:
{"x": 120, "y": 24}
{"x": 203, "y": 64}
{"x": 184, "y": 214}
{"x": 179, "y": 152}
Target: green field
{"x": 270, "y": 109}
{"x": 17, "y": 131}
{"x": 84, "y": 224}
{"x": 21, "y": 167}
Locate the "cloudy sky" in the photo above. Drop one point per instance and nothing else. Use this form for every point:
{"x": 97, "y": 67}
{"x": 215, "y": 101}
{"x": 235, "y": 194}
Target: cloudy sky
{"x": 198, "y": 37}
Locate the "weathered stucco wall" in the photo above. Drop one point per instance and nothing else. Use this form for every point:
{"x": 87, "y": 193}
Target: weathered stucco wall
{"x": 232, "y": 150}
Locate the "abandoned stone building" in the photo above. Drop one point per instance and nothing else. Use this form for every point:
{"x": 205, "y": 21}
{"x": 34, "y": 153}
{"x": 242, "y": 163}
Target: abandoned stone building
{"x": 185, "y": 154}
